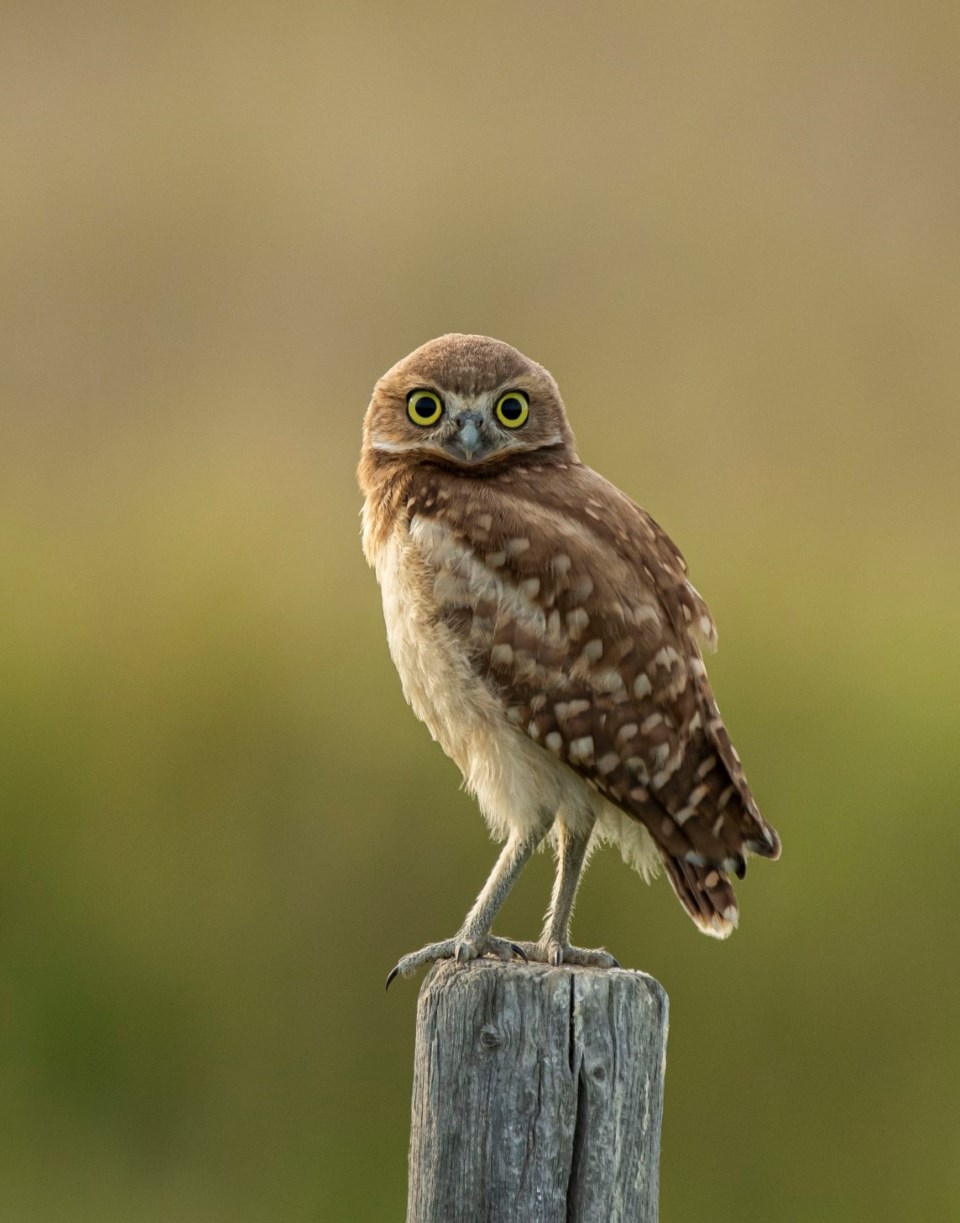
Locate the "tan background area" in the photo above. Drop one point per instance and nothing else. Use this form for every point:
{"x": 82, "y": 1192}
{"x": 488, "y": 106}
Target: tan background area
{"x": 731, "y": 232}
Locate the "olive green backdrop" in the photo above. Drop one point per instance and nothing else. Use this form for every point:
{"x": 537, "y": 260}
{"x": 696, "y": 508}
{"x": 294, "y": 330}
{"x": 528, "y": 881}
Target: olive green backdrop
{"x": 731, "y": 231}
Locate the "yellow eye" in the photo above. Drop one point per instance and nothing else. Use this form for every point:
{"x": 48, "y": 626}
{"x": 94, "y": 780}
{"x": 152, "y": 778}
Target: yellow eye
{"x": 424, "y": 407}
{"x": 513, "y": 409}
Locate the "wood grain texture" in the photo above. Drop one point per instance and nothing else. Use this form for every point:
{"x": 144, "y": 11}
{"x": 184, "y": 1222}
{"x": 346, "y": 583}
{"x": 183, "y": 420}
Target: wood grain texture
{"x": 537, "y": 1095}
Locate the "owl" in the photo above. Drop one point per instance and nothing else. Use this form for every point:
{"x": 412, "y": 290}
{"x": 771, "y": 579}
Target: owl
{"x": 546, "y": 632}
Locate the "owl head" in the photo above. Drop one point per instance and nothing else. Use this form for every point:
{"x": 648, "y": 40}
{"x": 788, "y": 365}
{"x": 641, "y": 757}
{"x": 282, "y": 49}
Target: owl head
{"x": 467, "y": 401}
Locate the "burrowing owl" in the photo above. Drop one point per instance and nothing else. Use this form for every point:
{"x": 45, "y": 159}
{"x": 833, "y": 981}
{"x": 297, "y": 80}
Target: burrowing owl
{"x": 546, "y": 632}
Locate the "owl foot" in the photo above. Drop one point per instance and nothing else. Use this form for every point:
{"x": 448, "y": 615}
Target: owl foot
{"x": 460, "y": 949}
{"x": 552, "y": 952}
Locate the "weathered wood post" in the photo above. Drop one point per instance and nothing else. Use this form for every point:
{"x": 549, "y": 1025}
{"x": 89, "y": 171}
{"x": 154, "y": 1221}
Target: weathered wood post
{"x": 537, "y": 1095}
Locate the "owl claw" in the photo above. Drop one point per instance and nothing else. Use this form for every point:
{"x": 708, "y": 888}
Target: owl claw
{"x": 555, "y": 953}
{"x": 461, "y": 950}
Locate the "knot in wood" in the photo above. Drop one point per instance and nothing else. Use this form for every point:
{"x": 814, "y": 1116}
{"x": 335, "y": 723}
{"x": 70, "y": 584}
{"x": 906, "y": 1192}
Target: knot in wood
{"x": 490, "y": 1037}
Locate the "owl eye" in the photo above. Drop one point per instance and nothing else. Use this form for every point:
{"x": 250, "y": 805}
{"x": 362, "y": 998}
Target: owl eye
{"x": 513, "y": 409}
{"x": 424, "y": 407}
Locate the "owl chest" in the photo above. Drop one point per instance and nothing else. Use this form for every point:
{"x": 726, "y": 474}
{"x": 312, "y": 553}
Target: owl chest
{"x": 438, "y": 678}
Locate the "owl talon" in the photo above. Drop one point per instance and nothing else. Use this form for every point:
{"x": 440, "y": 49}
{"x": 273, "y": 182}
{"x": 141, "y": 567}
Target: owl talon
{"x": 460, "y": 950}
{"x": 590, "y": 957}
{"x": 562, "y": 953}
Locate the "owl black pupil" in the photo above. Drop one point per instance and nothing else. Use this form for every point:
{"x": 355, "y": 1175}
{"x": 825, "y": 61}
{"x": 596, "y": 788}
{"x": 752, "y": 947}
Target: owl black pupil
{"x": 512, "y": 409}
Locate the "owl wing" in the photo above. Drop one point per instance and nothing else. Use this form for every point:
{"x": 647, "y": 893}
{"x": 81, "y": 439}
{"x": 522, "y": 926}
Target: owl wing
{"x": 575, "y": 607}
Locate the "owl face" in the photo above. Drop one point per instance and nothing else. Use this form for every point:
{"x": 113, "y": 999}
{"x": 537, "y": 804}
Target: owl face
{"x": 465, "y": 400}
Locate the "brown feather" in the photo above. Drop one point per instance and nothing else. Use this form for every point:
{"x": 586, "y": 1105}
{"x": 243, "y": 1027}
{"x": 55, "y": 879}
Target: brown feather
{"x": 591, "y": 649}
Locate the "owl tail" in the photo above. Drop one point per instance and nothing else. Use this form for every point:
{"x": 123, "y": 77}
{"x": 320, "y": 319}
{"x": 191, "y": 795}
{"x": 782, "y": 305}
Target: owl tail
{"x": 706, "y": 894}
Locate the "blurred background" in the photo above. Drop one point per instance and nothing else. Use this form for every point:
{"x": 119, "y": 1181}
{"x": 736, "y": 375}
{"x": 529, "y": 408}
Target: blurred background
{"x": 732, "y": 234}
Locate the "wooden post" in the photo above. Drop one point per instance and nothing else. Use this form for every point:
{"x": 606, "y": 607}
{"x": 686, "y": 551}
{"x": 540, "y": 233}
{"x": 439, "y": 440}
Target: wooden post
{"x": 537, "y": 1095}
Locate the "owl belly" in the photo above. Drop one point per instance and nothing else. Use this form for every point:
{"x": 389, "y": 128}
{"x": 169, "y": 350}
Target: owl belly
{"x": 517, "y": 783}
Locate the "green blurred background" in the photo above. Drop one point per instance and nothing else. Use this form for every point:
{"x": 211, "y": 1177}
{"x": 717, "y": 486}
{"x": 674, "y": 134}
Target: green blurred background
{"x": 731, "y": 231}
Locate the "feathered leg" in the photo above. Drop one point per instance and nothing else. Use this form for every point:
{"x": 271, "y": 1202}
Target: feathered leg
{"x": 554, "y": 945}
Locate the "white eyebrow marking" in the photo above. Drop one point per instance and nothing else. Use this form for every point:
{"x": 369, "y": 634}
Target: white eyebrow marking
{"x": 394, "y": 447}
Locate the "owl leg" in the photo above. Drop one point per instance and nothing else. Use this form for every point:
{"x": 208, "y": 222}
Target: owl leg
{"x": 474, "y": 938}
{"x": 554, "y": 945}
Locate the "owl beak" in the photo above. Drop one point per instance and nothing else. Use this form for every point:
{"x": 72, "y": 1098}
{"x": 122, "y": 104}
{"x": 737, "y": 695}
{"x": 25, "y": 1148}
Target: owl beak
{"x": 468, "y": 439}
